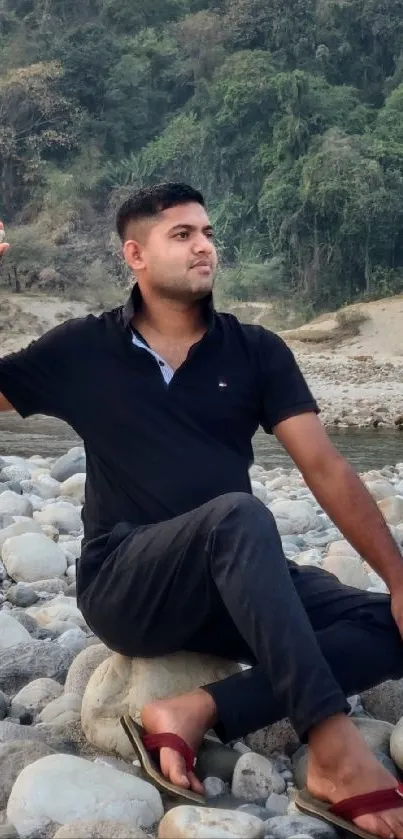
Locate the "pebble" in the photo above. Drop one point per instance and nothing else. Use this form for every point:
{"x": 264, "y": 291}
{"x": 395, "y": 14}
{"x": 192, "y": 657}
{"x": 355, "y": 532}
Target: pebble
{"x": 21, "y": 595}
{"x": 255, "y": 777}
{"x": 187, "y": 822}
{"x": 282, "y": 827}
{"x": 215, "y": 787}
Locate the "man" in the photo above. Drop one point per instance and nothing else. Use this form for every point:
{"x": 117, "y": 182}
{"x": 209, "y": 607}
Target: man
{"x": 177, "y": 553}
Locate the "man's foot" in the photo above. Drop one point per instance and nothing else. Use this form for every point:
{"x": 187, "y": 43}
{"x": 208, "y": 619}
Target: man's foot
{"x": 190, "y": 716}
{"x": 341, "y": 765}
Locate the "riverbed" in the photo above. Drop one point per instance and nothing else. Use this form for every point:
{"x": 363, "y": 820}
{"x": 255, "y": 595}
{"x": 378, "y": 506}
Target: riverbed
{"x": 365, "y": 448}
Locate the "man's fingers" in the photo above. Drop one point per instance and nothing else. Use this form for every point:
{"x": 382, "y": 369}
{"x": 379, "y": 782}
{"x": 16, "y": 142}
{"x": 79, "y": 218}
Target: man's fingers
{"x": 3, "y": 248}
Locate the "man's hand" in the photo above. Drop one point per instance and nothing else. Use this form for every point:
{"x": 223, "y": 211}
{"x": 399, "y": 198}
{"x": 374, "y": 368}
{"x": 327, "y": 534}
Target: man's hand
{"x": 4, "y": 246}
{"x": 397, "y": 608}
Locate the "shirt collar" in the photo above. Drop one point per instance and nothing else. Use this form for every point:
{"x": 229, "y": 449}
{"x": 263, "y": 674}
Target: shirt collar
{"x": 133, "y": 304}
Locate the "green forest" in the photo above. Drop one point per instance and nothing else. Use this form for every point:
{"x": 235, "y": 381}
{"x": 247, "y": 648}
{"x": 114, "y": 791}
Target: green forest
{"x": 287, "y": 114}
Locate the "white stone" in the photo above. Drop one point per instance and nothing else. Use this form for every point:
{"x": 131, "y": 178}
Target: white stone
{"x": 380, "y": 489}
{"x": 14, "y": 473}
{"x": 294, "y": 516}
{"x": 32, "y": 556}
{"x": 72, "y": 548}
{"x": 74, "y": 487}
{"x": 260, "y": 492}
{"x": 74, "y": 639}
{"x": 11, "y": 632}
{"x": 341, "y": 548}
{"x": 188, "y": 822}
{"x": 63, "y": 515}
{"x": 348, "y": 570}
{"x": 123, "y": 685}
{"x": 63, "y": 710}
{"x": 71, "y": 571}
{"x": 37, "y": 694}
{"x": 391, "y": 509}
{"x": 309, "y": 557}
{"x": 62, "y": 788}
{"x": 99, "y": 829}
{"x": 43, "y": 485}
{"x": 396, "y": 744}
{"x": 12, "y": 504}
{"x": 61, "y": 609}
{"x": 255, "y": 778}
{"x": 68, "y": 464}
{"x": 83, "y": 667}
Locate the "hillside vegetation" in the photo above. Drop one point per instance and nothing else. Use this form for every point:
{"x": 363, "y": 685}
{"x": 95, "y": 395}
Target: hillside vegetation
{"x": 287, "y": 114}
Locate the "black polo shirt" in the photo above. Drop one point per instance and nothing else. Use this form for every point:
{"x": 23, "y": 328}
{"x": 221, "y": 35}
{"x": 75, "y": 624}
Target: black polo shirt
{"x": 153, "y": 450}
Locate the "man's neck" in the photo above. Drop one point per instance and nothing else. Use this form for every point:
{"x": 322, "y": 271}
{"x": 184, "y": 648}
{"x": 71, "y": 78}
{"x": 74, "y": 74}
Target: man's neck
{"x": 170, "y": 320}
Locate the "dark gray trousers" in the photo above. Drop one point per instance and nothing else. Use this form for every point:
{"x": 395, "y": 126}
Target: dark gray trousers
{"x": 215, "y": 580}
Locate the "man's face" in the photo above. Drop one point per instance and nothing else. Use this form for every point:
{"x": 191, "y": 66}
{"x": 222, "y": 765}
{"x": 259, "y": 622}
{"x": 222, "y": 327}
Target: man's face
{"x": 174, "y": 254}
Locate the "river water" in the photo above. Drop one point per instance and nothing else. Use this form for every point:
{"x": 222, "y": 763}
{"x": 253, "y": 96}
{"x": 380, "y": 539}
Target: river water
{"x": 364, "y": 448}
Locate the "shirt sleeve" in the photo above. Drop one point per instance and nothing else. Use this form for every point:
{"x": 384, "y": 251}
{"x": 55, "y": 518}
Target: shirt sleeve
{"x": 35, "y": 379}
{"x": 284, "y": 391}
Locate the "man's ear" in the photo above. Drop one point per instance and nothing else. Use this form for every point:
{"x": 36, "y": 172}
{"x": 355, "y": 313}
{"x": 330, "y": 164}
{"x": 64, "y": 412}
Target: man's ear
{"x": 133, "y": 254}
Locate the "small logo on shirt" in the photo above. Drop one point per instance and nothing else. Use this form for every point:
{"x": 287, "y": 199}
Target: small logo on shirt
{"x": 222, "y": 383}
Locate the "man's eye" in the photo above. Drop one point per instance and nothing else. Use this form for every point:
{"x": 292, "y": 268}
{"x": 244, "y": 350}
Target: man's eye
{"x": 183, "y": 234}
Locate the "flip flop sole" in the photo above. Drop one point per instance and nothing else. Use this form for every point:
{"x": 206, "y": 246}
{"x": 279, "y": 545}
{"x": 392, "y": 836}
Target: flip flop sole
{"x": 313, "y": 807}
{"x": 135, "y": 734}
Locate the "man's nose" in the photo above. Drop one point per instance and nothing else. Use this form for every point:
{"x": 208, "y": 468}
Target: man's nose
{"x": 203, "y": 244}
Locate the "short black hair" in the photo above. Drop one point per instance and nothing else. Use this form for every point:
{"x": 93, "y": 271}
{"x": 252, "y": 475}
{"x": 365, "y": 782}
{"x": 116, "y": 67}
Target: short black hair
{"x": 151, "y": 200}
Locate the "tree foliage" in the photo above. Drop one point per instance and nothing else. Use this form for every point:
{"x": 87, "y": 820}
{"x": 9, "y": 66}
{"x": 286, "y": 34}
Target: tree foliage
{"x": 288, "y": 114}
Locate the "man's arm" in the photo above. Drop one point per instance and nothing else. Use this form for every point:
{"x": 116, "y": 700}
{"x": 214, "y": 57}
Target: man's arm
{"x": 343, "y": 496}
{"x": 5, "y": 405}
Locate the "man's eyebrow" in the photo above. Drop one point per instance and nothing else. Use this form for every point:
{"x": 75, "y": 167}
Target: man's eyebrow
{"x": 189, "y": 227}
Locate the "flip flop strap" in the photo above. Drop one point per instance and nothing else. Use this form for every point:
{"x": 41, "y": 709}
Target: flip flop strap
{"x": 155, "y": 742}
{"x": 370, "y": 802}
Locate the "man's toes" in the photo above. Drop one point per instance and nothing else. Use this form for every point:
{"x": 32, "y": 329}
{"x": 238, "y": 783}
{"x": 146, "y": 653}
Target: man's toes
{"x": 376, "y": 825}
{"x": 174, "y": 768}
{"x": 195, "y": 784}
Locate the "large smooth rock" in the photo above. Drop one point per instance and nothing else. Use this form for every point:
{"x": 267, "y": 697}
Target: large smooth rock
{"x": 396, "y": 744}
{"x": 14, "y": 505}
{"x": 340, "y": 547}
{"x": 187, "y": 822}
{"x": 348, "y": 569}
{"x": 63, "y": 710}
{"x": 74, "y": 487}
{"x": 31, "y": 557}
{"x": 61, "y": 609}
{"x": 63, "y": 788}
{"x": 63, "y": 515}
{"x": 33, "y": 660}
{"x": 255, "y": 778}
{"x": 122, "y": 685}
{"x": 11, "y": 632}
{"x": 294, "y": 516}
{"x": 380, "y": 489}
{"x": 16, "y": 529}
{"x": 69, "y": 464}
{"x": 299, "y": 825}
{"x": 99, "y": 829}
{"x": 41, "y": 484}
{"x": 37, "y": 694}
{"x": 385, "y": 701}
{"x": 14, "y": 757}
{"x": 391, "y": 509}
{"x": 83, "y": 667}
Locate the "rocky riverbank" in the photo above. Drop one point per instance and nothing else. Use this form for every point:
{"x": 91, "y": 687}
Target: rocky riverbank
{"x": 66, "y": 767}
{"x": 355, "y": 391}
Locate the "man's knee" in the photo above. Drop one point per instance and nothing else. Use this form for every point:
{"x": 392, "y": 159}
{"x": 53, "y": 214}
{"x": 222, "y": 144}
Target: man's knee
{"x": 243, "y": 510}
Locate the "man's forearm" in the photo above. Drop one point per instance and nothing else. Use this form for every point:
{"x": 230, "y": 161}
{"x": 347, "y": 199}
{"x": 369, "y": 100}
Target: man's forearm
{"x": 349, "y": 504}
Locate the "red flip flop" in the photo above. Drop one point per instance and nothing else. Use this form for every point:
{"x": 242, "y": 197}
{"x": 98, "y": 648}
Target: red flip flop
{"x": 146, "y": 744}
{"x": 343, "y": 813}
